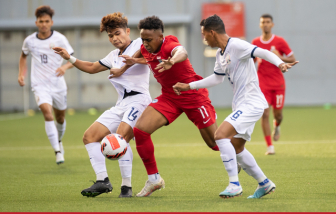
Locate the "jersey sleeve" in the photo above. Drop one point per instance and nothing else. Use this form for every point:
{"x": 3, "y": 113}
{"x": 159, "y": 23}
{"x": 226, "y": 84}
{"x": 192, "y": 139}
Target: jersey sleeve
{"x": 285, "y": 48}
{"x": 218, "y": 69}
{"x": 107, "y": 61}
{"x": 171, "y": 45}
{"x": 67, "y": 46}
{"x": 244, "y": 50}
{"x": 25, "y": 47}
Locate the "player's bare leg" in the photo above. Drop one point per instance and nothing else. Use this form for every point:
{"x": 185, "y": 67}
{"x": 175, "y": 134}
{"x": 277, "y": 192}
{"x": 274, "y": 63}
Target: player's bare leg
{"x": 60, "y": 125}
{"x": 276, "y": 123}
{"x": 208, "y": 135}
{"x": 51, "y": 131}
{"x": 149, "y": 121}
{"x": 267, "y": 131}
{"x": 223, "y": 136}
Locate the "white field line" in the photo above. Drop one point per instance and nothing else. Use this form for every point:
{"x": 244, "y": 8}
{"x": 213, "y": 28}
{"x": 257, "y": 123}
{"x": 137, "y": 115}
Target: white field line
{"x": 168, "y": 145}
{"x": 7, "y": 117}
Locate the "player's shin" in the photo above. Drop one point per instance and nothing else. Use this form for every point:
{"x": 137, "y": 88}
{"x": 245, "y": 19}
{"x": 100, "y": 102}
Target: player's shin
{"x": 125, "y": 165}
{"x": 97, "y": 160}
{"x": 52, "y": 135}
{"x": 61, "y": 129}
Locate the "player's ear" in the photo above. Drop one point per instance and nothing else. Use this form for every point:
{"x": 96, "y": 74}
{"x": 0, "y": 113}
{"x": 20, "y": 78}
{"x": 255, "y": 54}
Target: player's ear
{"x": 52, "y": 22}
{"x": 128, "y": 31}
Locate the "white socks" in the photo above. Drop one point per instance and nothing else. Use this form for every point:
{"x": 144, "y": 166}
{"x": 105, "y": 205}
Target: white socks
{"x": 60, "y": 129}
{"x": 154, "y": 178}
{"x": 52, "y": 134}
{"x": 125, "y": 165}
{"x": 97, "y": 160}
{"x": 228, "y": 155}
{"x": 249, "y": 164}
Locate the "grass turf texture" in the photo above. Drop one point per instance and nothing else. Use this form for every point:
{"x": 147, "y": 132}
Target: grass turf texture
{"x": 303, "y": 168}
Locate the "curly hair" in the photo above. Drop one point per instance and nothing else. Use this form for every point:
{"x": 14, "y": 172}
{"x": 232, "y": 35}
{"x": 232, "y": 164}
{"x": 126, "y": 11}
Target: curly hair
{"x": 42, "y": 10}
{"x": 214, "y": 23}
{"x": 113, "y": 21}
{"x": 151, "y": 23}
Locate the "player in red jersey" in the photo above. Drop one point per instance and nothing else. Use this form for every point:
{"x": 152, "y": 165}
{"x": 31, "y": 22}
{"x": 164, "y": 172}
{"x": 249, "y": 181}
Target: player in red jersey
{"x": 271, "y": 79}
{"x": 169, "y": 63}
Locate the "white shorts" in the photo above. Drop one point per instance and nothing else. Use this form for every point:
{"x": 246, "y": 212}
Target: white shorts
{"x": 129, "y": 114}
{"x": 58, "y": 100}
{"x": 243, "y": 120}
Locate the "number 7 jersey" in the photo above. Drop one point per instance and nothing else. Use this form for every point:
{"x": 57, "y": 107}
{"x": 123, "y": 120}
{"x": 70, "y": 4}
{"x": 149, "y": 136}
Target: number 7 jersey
{"x": 45, "y": 61}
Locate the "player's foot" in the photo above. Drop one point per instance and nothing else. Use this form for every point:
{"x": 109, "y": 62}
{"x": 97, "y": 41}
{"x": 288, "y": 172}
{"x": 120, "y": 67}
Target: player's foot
{"x": 231, "y": 191}
{"x": 270, "y": 150}
{"x": 98, "y": 188}
{"x": 263, "y": 190}
{"x": 59, "y": 157}
{"x": 61, "y": 147}
{"x": 150, "y": 188}
{"x": 239, "y": 167}
{"x": 126, "y": 192}
{"x": 276, "y": 132}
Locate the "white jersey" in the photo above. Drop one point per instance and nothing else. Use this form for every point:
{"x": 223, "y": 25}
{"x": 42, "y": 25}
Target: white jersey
{"x": 236, "y": 62}
{"x": 135, "y": 79}
{"x": 45, "y": 62}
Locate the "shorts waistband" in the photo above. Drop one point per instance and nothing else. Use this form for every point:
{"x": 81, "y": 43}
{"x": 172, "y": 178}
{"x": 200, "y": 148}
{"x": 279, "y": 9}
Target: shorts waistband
{"x": 131, "y": 93}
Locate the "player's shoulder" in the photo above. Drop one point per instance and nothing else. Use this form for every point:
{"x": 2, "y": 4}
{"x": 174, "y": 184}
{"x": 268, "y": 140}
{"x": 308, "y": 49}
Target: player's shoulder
{"x": 57, "y": 34}
{"x": 137, "y": 43}
{"x": 256, "y": 40}
{"x": 237, "y": 43}
{"x": 279, "y": 38}
{"x": 171, "y": 38}
{"x": 31, "y": 37}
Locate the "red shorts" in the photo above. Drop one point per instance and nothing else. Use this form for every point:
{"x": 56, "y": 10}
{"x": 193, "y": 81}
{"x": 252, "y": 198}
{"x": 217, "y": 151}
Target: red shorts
{"x": 275, "y": 98}
{"x": 200, "y": 111}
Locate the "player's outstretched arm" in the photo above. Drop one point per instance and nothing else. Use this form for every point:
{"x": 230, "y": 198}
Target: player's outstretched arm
{"x": 208, "y": 82}
{"x": 274, "y": 59}
{"x": 22, "y": 68}
{"x": 178, "y": 55}
{"x": 88, "y": 67}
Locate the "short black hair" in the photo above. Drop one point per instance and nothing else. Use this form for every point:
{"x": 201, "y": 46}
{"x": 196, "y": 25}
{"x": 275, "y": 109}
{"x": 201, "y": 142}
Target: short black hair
{"x": 266, "y": 15}
{"x": 214, "y": 23}
{"x": 151, "y": 23}
{"x": 43, "y": 10}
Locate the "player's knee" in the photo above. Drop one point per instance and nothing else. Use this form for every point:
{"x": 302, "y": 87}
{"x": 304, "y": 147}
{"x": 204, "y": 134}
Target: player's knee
{"x": 278, "y": 116}
{"x": 220, "y": 135}
{"x": 60, "y": 119}
{"x": 48, "y": 117}
{"x": 87, "y": 138}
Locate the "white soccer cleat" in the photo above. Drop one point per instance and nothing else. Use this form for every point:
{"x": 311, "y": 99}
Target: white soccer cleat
{"x": 231, "y": 191}
{"x": 276, "y": 132}
{"x": 61, "y": 147}
{"x": 263, "y": 190}
{"x": 150, "y": 188}
{"x": 270, "y": 150}
{"x": 59, "y": 158}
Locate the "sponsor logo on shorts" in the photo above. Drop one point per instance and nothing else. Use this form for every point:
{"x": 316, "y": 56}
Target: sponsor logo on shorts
{"x": 155, "y": 101}
{"x": 206, "y": 121}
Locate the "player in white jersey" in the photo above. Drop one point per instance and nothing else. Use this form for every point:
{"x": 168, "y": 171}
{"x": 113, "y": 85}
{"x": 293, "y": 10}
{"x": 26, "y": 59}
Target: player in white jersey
{"x": 133, "y": 98}
{"x": 234, "y": 59}
{"x": 47, "y": 79}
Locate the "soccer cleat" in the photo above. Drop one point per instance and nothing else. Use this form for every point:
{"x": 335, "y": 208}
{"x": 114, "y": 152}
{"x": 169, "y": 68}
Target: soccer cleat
{"x": 61, "y": 147}
{"x": 126, "y": 192}
{"x": 98, "y": 188}
{"x": 276, "y": 132}
{"x": 263, "y": 190}
{"x": 150, "y": 187}
{"x": 59, "y": 158}
{"x": 270, "y": 150}
{"x": 231, "y": 191}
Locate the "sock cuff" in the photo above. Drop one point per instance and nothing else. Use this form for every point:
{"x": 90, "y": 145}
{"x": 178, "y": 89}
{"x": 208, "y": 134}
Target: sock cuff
{"x": 215, "y": 148}
{"x": 60, "y": 125}
{"x": 138, "y": 131}
{"x": 223, "y": 141}
{"x": 90, "y": 146}
{"x": 49, "y": 122}
{"x": 241, "y": 153}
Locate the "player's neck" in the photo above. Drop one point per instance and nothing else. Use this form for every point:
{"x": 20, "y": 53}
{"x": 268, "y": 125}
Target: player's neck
{"x": 45, "y": 35}
{"x": 266, "y": 36}
{"x": 124, "y": 48}
{"x": 222, "y": 41}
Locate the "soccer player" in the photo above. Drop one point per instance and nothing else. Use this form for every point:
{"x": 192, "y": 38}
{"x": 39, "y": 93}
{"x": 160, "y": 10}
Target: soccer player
{"x": 271, "y": 79}
{"x": 168, "y": 60}
{"x": 133, "y": 98}
{"x": 47, "y": 80}
{"x": 234, "y": 59}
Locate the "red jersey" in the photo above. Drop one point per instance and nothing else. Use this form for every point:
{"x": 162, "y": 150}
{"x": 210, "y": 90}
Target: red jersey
{"x": 270, "y": 76}
{"x": 180, "y": 72}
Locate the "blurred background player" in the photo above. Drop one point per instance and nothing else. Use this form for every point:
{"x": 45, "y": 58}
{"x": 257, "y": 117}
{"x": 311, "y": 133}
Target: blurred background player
{"x": 271, "y": 79}
{"x": 47, "y": 79}
{"x": 234, "y": 60}
{"x": 168, "y": 60}
{"x": 133, "y": 98}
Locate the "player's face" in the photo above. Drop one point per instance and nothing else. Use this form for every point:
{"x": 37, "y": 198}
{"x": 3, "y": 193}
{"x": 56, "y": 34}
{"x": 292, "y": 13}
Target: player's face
{"x": 209, "y": 37}
{"x": 151, "y": 39}
{"x": 119, "y": 37}
{"x": 44, "y": 23}
{"x": 266, "y": 25}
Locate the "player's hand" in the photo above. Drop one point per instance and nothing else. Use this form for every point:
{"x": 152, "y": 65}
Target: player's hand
{"x": 128, "y": 60}
{"x": 21, "y": 80}
{"x": 62, "y": 52}
{"x": 178, "y": 87}
{"x": 165, "y": 65}
{"x": 285, "y": 66}
{"x": 115, "y": 72}
{"x": 60, "y": 72}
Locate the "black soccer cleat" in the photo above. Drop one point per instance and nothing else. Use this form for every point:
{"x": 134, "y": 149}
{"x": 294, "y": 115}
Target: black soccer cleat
{"x": 98, "y": 188}
{"x": 126, "y": 192}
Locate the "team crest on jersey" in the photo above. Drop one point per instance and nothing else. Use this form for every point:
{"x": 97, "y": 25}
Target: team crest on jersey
{"x": 227, "y": 59}
{"x": 155, "y": 101}
{"x": 51, "y": 45}
{"x": 159, "y": 58}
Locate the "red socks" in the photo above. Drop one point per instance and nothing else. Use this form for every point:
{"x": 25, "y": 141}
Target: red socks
{"x": 215, "y": 148}
{"x": 145, "y": 148}
{"x": 268, "y": 140}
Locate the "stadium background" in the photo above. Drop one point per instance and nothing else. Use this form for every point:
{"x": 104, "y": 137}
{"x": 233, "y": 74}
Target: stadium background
{"x": 307, "y": 25}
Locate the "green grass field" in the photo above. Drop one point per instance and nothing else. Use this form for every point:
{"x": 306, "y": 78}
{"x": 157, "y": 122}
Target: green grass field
{"x": 304, "y": 168}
